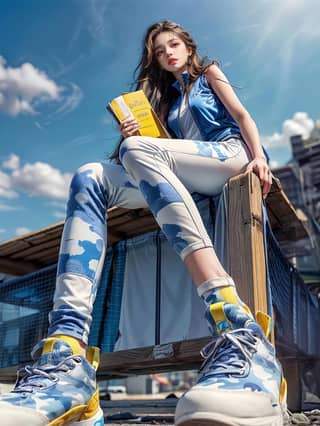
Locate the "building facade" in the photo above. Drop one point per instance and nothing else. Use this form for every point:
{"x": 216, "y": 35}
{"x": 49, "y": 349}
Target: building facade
{"x": 300, "y": 179}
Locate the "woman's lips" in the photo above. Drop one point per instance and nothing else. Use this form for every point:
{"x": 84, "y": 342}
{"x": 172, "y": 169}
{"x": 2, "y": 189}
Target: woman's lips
{"x": 172, "y": 61}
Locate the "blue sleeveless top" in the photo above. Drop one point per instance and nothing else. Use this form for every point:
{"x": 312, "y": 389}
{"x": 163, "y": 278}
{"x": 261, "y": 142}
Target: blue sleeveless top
{"x": 210, "y": 115}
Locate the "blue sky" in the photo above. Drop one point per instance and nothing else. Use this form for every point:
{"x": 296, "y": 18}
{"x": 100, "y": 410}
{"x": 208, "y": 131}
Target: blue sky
{"x": 62, "y": 60}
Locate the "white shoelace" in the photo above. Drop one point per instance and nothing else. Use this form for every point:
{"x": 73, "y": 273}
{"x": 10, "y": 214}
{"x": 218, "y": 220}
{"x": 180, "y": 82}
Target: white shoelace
{"x": 229, "y": 354}
{"x": 28, "y": 372}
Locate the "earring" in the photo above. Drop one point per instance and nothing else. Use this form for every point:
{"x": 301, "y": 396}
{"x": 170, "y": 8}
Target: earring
{"x": 189, "y": 60}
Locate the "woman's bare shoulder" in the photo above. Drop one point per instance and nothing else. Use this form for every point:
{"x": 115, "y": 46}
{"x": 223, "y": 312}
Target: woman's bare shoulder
{"x": 213, "y": 72}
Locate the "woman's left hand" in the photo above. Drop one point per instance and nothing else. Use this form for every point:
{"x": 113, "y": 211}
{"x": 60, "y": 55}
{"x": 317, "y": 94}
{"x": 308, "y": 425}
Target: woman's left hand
{"x": 260, "y": 167}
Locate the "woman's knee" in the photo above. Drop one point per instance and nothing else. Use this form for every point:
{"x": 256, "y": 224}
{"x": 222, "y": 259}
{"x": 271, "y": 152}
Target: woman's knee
{"x": 135, "y": 146}
{"x": 87, "y": 192}
{"x": 128, "y": 145}
{"x": 87, "y": 176}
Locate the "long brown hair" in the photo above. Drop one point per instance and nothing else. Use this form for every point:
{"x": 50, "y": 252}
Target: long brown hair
{"x": 157, "y": 82}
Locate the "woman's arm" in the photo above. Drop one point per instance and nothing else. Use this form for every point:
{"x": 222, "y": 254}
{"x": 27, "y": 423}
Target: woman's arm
{"x": 248, "y": 128}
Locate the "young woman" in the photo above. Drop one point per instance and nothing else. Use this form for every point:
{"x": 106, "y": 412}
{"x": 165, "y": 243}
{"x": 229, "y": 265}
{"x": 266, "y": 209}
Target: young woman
{"x": 215, "y": 138}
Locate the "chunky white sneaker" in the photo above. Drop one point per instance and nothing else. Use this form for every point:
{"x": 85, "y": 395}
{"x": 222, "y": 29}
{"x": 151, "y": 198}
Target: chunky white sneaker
{"x": 60, "y": 389}
{"x": 240, "y": 384}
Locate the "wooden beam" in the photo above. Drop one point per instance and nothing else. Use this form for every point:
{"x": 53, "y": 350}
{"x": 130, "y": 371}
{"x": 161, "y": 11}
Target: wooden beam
{"x": 36, "y": 249}
{"x": 246, "y": 248}
{"x": 8, "y": 375}
{"x": 43, "y": 253}
{"x": 18, "y": 267}
{"x": 286, "y": 223}
{"x": 13, "y": 246}
{"x": 175, "y": 356}
{"x": 182, "y": 355}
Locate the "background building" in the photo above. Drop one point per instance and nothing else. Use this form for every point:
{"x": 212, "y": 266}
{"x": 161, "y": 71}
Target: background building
{"x": 300, "y": 179}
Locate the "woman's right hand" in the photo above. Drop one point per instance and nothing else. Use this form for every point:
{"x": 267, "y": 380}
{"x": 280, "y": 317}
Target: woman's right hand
{"x": 129, "y": 127}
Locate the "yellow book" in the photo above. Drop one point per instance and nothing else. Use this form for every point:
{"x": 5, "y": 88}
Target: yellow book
{"x": 137, "y": 105}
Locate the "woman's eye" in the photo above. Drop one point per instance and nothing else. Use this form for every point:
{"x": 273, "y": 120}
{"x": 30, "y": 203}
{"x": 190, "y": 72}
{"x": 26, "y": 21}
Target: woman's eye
{"x": 159, "y": 53}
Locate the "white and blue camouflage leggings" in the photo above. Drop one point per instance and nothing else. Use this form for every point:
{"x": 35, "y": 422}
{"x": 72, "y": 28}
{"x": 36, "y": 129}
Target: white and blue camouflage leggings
{"x": 159, "y": 173}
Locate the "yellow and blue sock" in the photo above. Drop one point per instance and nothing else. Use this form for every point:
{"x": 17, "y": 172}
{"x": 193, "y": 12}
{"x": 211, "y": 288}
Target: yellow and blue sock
{"x": 225, "y": 310}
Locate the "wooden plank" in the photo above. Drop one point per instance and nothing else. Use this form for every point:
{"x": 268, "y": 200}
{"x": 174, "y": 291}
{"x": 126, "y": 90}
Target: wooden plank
{"x": 112, "y": 239}
{"x": 257, "y": 246}
{"x": 175, "y": 356}
{"x": 46, "y": 229}
{"x": 288, "y": 225}
{"x": 50, "y": 259}
{"x": 181, "y": 355}
{"x": 38, "y": 249}
{"x": 45, "y": 248}
{"x": 129, "y": 216}
{"x": 8, "y": 375}
{"x": 116, "y": 211}
{"x": 21, "y": 243}
{"x": 12, "y": 247}
{"x": 14, "y": 267}
{"x": 134, "y": 222}
{"x": 114, "y": 236}
{"x": 45, "y": 236}
{"x": 246, "y": 248}
{"x": 136, "y": 227}
{"x": 43, "y": 254}
{"x": 282, "y": 209}
{"x": 273, "y": 220}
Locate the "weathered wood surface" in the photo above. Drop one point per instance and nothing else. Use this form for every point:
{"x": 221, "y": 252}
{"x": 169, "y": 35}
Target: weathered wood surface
{"x": 33, "y": 251}
{"x": 8, "y": 375}
{"x": 36, "y": 250}
{"x": 245, "y": 241}
{"x": 183, "y": 355}
{"x": 286, "y": 223}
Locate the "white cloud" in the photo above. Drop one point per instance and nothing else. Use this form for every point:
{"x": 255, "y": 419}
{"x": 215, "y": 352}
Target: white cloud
{"x": 59, "y": 204}
{"x": 299, "y": 124}
{"x": 98, "y": 23}
{"x": 82, "y": 140}
{"x": 36, "y": 179}
{"x": 106, "y": 119}
{"x": 24, "y": 89}
{"x": 22, "y": 230}
{"x": 12, "y": 163}
{"x": 59, "y": 215}
{"x": 2, "y": 230}
{"x": 71, "y": 101}
{"x": 42, "y": 179}
{"x": 7, "y": 208}
{"x": 6, "y": 188}
{"x": 274, "y": 164}
{"x": 21, "y": 86}
{"x": 70, "y": 97}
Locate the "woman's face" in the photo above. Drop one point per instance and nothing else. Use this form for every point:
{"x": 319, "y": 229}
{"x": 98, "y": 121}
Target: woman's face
{"x": 171, "y": 52}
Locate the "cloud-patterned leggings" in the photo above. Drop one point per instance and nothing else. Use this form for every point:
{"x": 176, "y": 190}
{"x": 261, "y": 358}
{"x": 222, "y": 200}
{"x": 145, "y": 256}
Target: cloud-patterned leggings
{"x": 159, "y": 173}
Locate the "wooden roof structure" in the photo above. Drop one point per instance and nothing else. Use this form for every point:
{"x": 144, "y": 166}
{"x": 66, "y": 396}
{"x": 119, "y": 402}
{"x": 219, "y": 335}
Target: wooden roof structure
{"x": 38, "y": 249}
